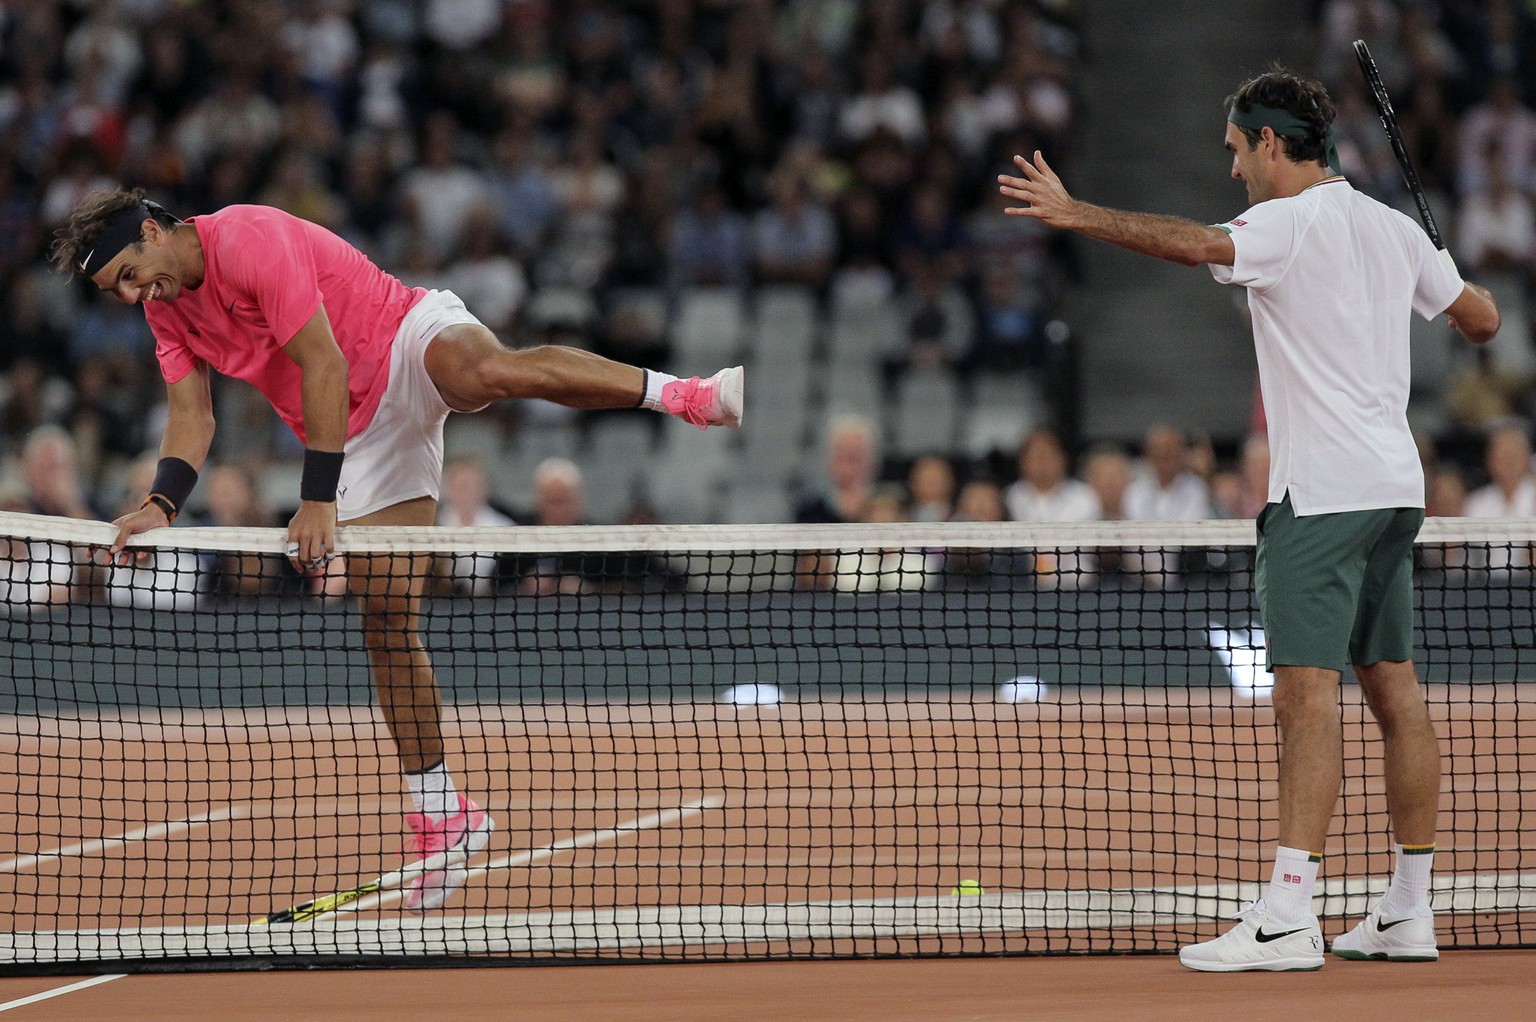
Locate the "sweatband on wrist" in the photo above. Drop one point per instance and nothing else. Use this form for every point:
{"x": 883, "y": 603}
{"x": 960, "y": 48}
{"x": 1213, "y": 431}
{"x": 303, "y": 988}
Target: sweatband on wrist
{"x": 322, "y": 474}
{"x": 174, "y": 479}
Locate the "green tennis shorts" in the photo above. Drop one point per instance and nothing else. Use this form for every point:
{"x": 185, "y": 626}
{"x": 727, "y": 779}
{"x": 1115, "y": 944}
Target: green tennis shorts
{"x": 1336, "y": 589}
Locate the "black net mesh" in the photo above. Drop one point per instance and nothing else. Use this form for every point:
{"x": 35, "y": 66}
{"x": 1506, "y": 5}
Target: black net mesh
{"x": 714, "y": 743}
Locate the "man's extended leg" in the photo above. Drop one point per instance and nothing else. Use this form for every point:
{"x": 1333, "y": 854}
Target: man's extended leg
{"x": 388, "y": 587}
{"x": 1280, "y": 933}
{"x": 1402, "y": 927}
{"x": 471, "y": 368}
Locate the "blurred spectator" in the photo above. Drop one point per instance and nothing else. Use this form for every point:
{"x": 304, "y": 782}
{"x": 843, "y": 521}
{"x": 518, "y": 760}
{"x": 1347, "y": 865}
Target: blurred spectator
{"x": 851, "y": 466}
{"x": 1500, "y": 128}
{"x": 1482, "y": 394}
{"x": 33, "y": 574}
{"x": 931, "y": 483}
{"x": 1167, "y": 491}
{"x": 1511, "y": 490}
{"x": 297, "y": 186}
{"x": 931, "y": 240}
{"x": 466, "y": 504}
{"x": 708, "y": 243}
{"x": 1107, "y": 471}
{"x": 1046, "y": 492}
{"x": 794, "y": 238}
{"x": 29, "y": 399}
{"x": 112, "y": 332}
{"x": 885, "y": 569}
{"x": 325, "y": 44}
{"x": 590, "y": 190}
{"x": 980, "y": 500}
{"x": 1510, "y": 493}
{"x": 234, "y": 502}
{"x": 1446, "y": 494}
{"x": 1497, "y": 227}
{"x": 440, "y": 194}
{"x": 1009, "y": 331}
{"x": 882, "y": 102}
{"x": 1244, "y": 492}
{"x": 52, "y": 475}
{"x": 101, "y": 423}
{"x": 235, "y": 119}
{"x": 486, "y": 276}
{"x": 522, "y": 193}
{"x": 558, "y": 501}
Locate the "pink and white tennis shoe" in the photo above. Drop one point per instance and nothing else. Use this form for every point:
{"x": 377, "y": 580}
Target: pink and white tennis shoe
{"x": 470, "y": 829}
{"x": 716, "y": 401}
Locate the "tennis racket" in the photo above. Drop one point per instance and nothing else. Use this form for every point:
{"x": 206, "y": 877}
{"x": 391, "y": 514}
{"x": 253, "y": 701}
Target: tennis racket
{"x": 1395, "y": 136}
{"x": 388, "y": 882}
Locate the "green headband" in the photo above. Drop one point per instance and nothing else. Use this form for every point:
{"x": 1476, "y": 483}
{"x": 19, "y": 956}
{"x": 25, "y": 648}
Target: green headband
{"x": 1286, "y": 125}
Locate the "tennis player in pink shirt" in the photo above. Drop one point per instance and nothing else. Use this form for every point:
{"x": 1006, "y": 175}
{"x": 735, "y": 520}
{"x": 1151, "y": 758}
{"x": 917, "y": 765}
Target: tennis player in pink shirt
{"x": 365, "y": 370}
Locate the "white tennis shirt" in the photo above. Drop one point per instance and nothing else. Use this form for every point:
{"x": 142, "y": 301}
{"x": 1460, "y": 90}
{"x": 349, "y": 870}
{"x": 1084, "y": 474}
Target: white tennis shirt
{"x": 1332, "y": 276}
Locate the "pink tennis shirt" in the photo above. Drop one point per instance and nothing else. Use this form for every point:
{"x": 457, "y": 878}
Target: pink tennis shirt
{"x": 265, "y": 274}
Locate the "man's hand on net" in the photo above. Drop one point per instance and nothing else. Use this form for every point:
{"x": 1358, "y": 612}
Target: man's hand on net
{"x": 150, "y": 516}
{"x": 312, "y": 537}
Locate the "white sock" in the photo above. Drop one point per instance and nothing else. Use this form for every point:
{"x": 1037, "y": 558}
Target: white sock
{"x": 1289, "y": 895}
{"x": 1409, "y": 891}
{"x": 654, "y": 381}
{"x": 433, "y": 793}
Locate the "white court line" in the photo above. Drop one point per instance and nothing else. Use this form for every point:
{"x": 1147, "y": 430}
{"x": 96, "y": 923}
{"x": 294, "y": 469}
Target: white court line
{"x": 150, "y": 833}
{"x": 650, "y": 821}
{"x": 22, "y": 1002}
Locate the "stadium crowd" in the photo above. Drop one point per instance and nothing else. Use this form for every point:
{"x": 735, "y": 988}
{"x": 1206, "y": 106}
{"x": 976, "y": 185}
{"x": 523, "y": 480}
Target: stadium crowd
{"x": 550, "y": 162}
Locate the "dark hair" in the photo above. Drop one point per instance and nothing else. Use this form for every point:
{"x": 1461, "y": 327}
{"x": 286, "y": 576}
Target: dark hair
{"x": 1303, "y": 98}
{"x": 90, "y": 217}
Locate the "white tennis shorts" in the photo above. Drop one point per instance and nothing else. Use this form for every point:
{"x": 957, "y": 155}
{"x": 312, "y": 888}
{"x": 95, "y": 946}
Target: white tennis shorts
{"x": 399, "y": 456}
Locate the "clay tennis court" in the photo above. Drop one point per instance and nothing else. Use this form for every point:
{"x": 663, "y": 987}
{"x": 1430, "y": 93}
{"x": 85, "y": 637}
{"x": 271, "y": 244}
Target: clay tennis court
{"x": 1126, "y": 821}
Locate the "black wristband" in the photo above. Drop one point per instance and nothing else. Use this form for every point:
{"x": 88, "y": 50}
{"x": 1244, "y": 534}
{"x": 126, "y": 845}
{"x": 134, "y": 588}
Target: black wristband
{"x": 322, "y": 473}
{"x": 174, "y": 479}
{"x": 163, "y": 503}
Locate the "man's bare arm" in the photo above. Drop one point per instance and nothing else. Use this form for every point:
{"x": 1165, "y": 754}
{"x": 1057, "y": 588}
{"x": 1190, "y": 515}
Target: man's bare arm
{"x": 1474, "y": 313}
{"x": 326, "y": 405}
{"x": 1164, "y": 237}
{"x": 324, "y": 371}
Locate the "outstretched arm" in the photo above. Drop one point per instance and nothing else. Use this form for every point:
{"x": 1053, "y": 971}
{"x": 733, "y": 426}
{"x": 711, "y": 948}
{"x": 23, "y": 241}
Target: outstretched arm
{"x": 1164, "y": 237}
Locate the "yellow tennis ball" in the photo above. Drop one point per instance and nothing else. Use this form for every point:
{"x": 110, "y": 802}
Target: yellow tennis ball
{"x": 967, "y": 888}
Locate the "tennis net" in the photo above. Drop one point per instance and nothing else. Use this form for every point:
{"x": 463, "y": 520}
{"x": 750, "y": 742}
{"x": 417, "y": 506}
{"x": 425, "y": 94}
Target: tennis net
{"x": 706, "y": 743}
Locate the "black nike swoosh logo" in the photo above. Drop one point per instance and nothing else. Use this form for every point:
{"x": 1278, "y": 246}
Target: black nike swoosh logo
{"x": 231, "y": 308}
{"x": 1384, "y": 927}
{"x": 1264, "y": 938}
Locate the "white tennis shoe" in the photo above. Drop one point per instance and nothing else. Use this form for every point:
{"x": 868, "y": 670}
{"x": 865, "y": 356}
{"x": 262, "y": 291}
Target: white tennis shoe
{"x": 1377, "y": 938}
{"x": 1259, "y": 943}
